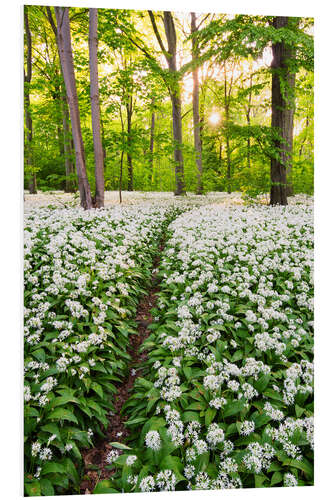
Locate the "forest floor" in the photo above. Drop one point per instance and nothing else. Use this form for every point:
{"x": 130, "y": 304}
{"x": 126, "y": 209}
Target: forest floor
{"x": 64, "y": 200}
{"x": 95, "y": 459}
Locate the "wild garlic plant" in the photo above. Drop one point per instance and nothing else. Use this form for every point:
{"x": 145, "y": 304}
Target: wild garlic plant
{"x": 85, "y": 272}
{"x": 227, "y": 400}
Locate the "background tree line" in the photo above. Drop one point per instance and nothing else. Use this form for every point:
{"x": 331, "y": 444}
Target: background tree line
{"x": 165, "y": 102}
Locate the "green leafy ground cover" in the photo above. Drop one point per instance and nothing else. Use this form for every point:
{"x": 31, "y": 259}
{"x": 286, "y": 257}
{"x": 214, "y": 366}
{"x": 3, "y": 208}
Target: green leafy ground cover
{"x": 84, "y": 275}
{"x": 227, "y": 396}
{"x": 227, "y": 400}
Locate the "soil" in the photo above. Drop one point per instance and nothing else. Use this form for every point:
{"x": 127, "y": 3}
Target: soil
{"x": 95, "y": 458}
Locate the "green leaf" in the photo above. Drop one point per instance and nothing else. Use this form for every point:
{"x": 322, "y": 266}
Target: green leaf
{"x": 71, "y": 470}
{"x": 39, "y": 354}
{"x": 52, "y": 429}
{"x": 46, "y": 487}
{"x": 138, "y": 420}
{"x": 276, "y": 478}
{"x": 233, "y": 408}
{"x": 104, "y": 487}
{"x": 262, "y": 383}
{"x": 209, "y": 415}
{"x": 187, "y": 372}
{"x": 29, "y": 411}
{"x": 63, "y": 400}
{"x": 62, "y": 414}
{"x": 302, "y": 465}
{"x": 259, "y": 480}
{"x": 121, "y": 446}
{"x": 298, "y": 411}
{"x": 52, "y": 467}
{"x": 98, "y": 389}
{"x": 188, "y": 416}
{"x": 33, "y": 489}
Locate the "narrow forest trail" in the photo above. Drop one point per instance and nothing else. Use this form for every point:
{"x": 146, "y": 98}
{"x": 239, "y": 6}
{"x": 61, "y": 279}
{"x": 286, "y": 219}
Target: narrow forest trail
{"x": 95, "y": 458}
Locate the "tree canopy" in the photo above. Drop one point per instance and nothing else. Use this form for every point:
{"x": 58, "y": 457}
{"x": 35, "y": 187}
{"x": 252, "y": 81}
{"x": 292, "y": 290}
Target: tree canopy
{"x": 185, "y": 103}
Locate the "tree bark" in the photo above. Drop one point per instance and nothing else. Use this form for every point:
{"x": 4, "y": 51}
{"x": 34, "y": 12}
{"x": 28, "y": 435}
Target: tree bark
{"x": 290, "y": 111}
{"x": 66, "y": 59}
{"x": 121, "y": 176}
{"x": 248, "y": 119}
{"x": 70, "y": 186}
{"x": 129, "y": 112}
{"x": 151, "y": 142}
{"x": 95, "y": 109}
{"x": 226, "y": 108}
{"x": 174, "y": 92}
{"x": 195, "y": 105}
{"x": 28, "y": 120}
{"x": 283, "y": 83}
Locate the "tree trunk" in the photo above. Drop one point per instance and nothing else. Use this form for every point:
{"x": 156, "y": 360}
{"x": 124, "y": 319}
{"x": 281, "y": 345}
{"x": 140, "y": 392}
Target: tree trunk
{"x": 69, "y": 167}
{"x": 226, "y": 107}
{"x": 283, "y": 83}
{"x": 70, "y": 186}
{"x": 290, "y": 111}
{"x": 95, "y": 109}
{"x": 58, "y": 103}
{"x": 248, "y": 119}
{"x": 195, "y": 105}
{"x": 103, "y": 142}
{"x": 28, "y": 120}
{"x": 121, "y": 176}
{"x": 174, "y": 91}
{"x": 66, "y": 59}
{"x": 151, "y": 142}
{"x": 129, "y": 111}
{"x": 177, "y": 153}
{"x": 305, "y": 136}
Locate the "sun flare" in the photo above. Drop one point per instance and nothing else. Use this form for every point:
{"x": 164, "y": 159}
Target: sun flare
{"x": 214, "y": 118}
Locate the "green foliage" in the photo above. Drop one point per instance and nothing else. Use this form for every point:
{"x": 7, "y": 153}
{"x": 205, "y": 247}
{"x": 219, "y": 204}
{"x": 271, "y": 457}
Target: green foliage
{"x": 127, "y": 74}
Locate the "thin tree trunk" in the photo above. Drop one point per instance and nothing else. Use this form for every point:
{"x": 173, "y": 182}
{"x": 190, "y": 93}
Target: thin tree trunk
{"x": 129, "y": 111}
{"x": 28, "y": 120}
{"x": 289, "y": 128}
{"x": 195, "y": 105}
{"x": 69, "y": 167}
{"x": 103, "y": 142}
{"x": 283, "y": 83}
{"x": 226, "y": 108}
{"x": 174, "y": 91}
{"x": 178, "y": 138}
{"x": 95, "y": 109}
{"x": 305, "y": 137}
{"x": 151, "y": 142}
{"x": 70, "y": 185}
{"x": 248, "y": 119}
{"x": 66, "y": 59}
{"x": 121, "y": 176}
{"x": 57, "y": 100}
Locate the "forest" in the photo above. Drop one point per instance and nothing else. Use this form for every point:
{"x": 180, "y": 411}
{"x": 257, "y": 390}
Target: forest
{"x": 160, "y": 101}
{"x": 168, "y": 251}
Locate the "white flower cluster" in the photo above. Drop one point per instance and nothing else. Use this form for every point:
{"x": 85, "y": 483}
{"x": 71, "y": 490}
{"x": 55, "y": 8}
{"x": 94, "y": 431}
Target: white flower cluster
{"x": 81, "y": 269}
{"x": 237, "y": 304}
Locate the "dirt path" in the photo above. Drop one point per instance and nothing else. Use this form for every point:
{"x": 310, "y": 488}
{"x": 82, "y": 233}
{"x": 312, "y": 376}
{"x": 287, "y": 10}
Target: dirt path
{"x": 95, "y": 458}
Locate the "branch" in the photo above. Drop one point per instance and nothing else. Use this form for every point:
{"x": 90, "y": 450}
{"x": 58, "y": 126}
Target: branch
{"x": 204, "y": 19}
{"x": 187, "y": 112}
{"x": 51, "y": 21}
{"x": 146, "y": 53}
{"x": 29, "y": 44}
{"x": 157, "y": 34}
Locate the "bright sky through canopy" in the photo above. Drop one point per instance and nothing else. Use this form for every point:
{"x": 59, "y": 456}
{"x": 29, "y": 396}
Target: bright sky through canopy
{"x": 214, "y": 118}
